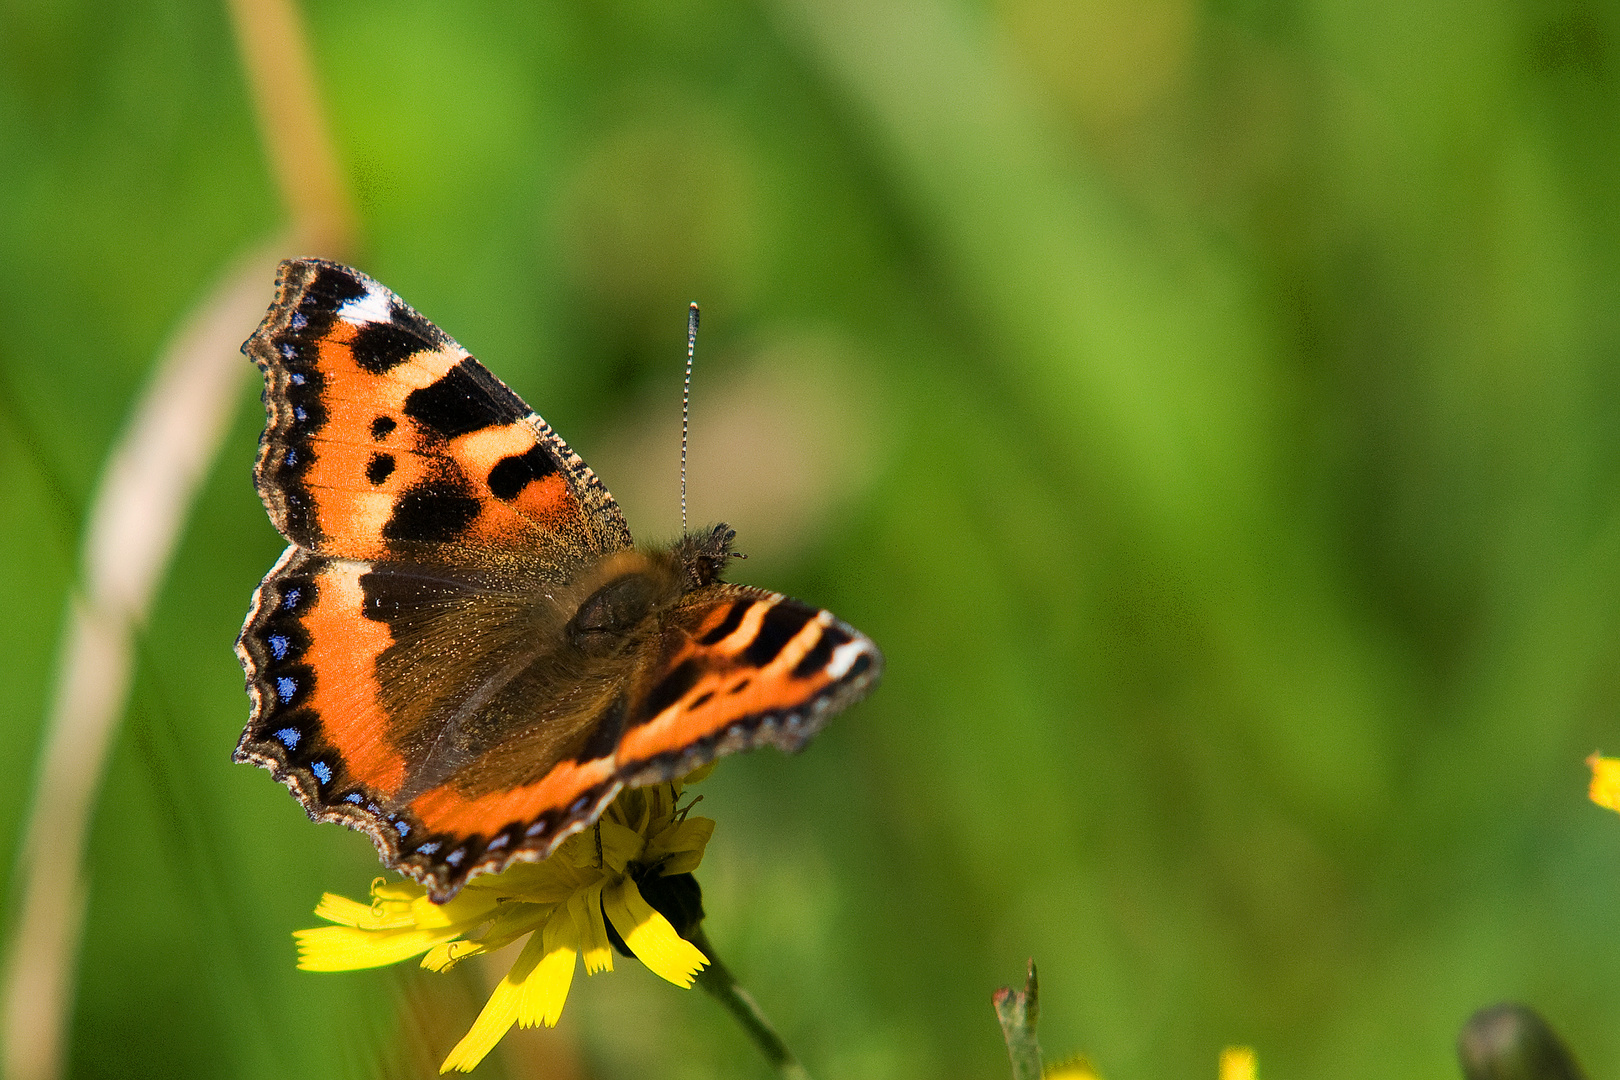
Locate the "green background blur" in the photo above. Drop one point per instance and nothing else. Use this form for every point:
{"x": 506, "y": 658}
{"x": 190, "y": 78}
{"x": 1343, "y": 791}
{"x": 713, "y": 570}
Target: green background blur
{"x": 1213, "y": 411}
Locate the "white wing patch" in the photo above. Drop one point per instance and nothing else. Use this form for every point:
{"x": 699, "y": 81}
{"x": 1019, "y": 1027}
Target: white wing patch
{"x": 373, "y": 307}
{"x": 839, "y": 663}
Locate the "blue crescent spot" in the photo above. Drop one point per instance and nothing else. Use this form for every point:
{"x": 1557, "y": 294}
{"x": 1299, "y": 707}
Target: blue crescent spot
{"x": 455, "y": 857}
{"x": 297, "y": 379}
{"x": 428, "y": 849}
{"x": 322, "y": 772}
{"x": 298, "y": 321}
{"x": 353, "y": 796}
{"x": 289, "y": 737}
{"x": 404, "y": 829}
{"x": 278, "y": 646}
{"x": 292, "y": 457}
{"x": 290, "y": 601}
{"x": 286, "y": 687}
{"x": 498, "y": 843}
{"x": 299, "y": 413}
{"x": 289, "y": 350}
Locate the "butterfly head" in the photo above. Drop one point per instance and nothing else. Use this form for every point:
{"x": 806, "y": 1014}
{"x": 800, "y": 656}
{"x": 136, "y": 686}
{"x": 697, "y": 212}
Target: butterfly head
{"x": 703, "y": 554}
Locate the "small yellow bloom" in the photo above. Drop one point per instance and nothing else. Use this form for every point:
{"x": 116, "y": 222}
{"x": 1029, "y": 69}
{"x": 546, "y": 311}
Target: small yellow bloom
{"x": 1078, "y": 1067}
{"x": 1237, "y": 1063}
{"x": 1605, "y": 789}
{"x": 559, "y": 904}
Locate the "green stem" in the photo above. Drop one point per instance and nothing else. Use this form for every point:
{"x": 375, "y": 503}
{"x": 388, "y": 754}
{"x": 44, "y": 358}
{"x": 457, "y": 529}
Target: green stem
{"x": 1019, "y": 1011}
{"x": 718, "y": 981}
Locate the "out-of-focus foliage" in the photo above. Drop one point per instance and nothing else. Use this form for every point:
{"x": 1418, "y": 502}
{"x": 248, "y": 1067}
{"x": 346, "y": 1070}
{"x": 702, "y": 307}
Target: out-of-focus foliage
{"x": 1212, "y": 410}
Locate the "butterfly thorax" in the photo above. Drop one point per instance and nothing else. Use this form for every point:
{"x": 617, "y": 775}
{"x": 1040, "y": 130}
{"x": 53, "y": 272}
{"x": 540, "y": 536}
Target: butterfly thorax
{"x": 630, "y": 587}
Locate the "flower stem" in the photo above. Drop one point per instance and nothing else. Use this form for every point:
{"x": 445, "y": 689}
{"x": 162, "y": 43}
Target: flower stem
{"x": 718, "y": 982}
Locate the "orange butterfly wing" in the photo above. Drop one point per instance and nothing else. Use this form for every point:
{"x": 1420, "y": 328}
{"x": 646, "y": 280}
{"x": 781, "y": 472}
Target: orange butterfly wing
{"x": 387, "y": 439}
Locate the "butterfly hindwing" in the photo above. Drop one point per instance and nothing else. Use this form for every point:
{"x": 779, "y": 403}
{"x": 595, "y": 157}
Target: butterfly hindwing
{"x": 387, "y": 439}
{"x": 432, "y": 710}
{"x": 424, "y": 705}
{"x": 318, "y": 722}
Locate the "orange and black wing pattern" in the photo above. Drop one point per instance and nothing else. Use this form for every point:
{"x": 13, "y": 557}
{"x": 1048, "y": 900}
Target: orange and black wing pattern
{"x": 461, "y": 654}
{"x": 432, "y": 710}
{"x": 742, "y": 667}
{"x": 385, "y": 439}
{"x": 411, "y": 702}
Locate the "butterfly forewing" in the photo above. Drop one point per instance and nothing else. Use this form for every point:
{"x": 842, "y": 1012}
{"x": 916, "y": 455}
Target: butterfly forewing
{"x": 386, "y": 439}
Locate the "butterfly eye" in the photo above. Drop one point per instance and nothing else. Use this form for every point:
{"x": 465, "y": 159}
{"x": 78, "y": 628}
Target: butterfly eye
{"x": 602, "y": 620}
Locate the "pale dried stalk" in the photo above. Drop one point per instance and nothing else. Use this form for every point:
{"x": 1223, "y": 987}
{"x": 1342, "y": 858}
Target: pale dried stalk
{"x": 139, "y": 510}
{"x": 137, "y": 515}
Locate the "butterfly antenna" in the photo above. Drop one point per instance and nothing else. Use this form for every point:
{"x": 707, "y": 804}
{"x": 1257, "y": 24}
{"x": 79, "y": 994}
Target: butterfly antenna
{"x": 686, "y": 400}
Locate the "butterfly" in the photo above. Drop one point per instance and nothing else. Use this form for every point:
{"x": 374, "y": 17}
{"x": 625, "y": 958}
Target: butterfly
{"x": 463, "y": 653}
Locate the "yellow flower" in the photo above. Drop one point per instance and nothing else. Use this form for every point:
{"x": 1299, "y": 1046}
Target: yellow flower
{"x": 558, "y": 904}
{"x": 1605, "y": 789}
{"x": 1237, "y": 1063}
{"x": 1078, "y": 1067}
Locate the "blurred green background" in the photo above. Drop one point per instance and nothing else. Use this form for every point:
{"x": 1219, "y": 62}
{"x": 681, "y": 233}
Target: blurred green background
{"x": 1213, "y": 411}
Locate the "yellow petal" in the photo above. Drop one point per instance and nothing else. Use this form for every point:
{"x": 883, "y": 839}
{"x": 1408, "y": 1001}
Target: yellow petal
{"x": 577, "y": 850}
{"x": 585, "y": 907}
{"x": 619, "y": 845}
{"x": 1237, "y": 1063}
{"x": 346, "y": 948}
{"x": 346, "y": 912}
{"x": 1078, "y": 1067}
{"x": 547, "y": 882}
{"x": 467, "y": 906}
{"x": 391, "y": 901}
{"x": 514, "y": 919}
{"x": 546, "y": 989}
{"x": 447, "y": 955}
{"x": 682, "y": 863}
{"x": 697, "y": 775}
{"x": 650, "y": 936}
{"x": 631, "y": 810}
{"x": 660, "y": 806}
{"x": 680, "y": 846}
{"x": 402, "y": 892}
{"x": 496, "y": 1018}
{"x": 1605, "y": 789}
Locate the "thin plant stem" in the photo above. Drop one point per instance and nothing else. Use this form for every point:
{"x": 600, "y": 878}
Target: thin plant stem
{"x": 1019, "y": 1011}
{"x": 720, "y": 984}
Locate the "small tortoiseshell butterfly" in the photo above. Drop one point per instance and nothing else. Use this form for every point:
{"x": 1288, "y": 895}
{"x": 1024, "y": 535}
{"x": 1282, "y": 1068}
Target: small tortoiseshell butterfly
{"x": 463, "y": 653}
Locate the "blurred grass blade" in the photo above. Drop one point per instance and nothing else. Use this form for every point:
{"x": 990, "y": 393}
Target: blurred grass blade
{"x": 1152, "y": 371}
{"x": 298, "y": 147}
{"x": 1511, "y": 1042}
{"x": 1019, "y": 1011}
{"x": 138, "y": 512}
{"x": 140, "y": 507}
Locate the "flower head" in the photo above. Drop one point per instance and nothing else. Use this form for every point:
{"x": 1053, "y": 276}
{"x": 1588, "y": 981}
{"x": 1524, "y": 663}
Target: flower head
{"x": 1237, "y": 1063}
{"x": 1605, "y": 789}
{"x": 1078, "y": 1067}
{"x": 581, "y": 902}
